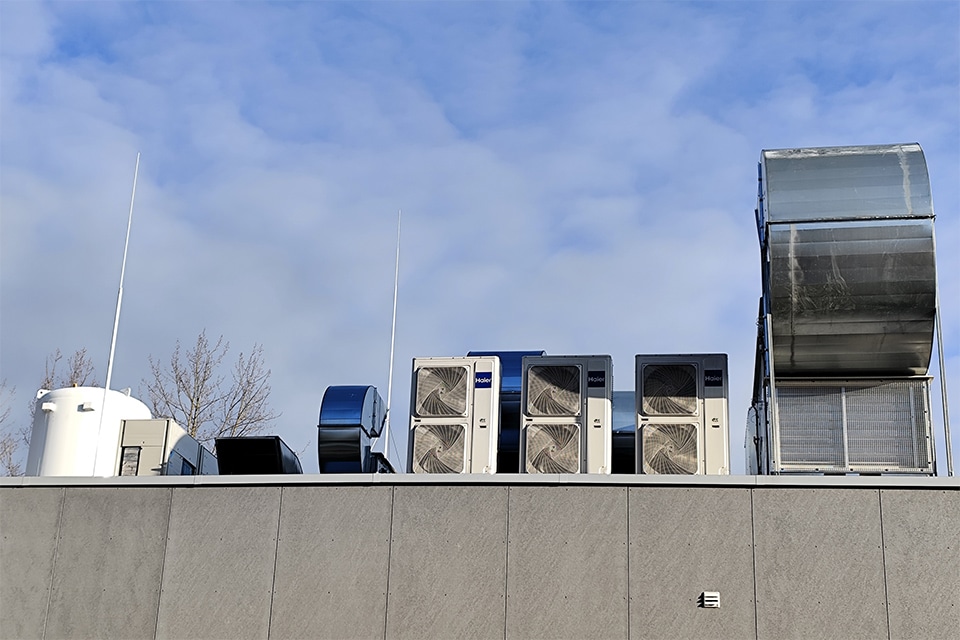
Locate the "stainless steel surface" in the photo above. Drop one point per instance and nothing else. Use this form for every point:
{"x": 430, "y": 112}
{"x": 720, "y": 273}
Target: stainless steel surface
{"x": 846, "y": 183}
{"x": 852, "y": 275}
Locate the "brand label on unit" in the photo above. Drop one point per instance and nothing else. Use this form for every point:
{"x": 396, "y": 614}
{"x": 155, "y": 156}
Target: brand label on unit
{"x": 597, "y": 379}
{"x": 713, "y": 378}
{"x": 483, "y": 380}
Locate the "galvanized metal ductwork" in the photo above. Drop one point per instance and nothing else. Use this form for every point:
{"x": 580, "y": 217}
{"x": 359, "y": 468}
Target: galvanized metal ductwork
{"x": 848, "y": 313}
{"x": 851, "y": 280}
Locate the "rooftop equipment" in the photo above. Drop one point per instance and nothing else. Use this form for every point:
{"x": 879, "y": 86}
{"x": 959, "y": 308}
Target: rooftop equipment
{"x": 256, "y": 455}
{"x": 350, "y": 417}
{"x": 76, "y": 431}
{"x": 682, "y": 414}
{"x": 455, "y": 415}
{"x": 848, "y": 311}
{"x": 162, "y": 448}
{"x": 567, "y": 414}
{"x": 511, "y": 382}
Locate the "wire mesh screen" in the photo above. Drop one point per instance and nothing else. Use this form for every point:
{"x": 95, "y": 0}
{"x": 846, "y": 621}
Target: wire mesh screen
{"x": 862, "y": 426}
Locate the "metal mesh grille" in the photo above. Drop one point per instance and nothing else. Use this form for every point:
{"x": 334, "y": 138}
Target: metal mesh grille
{"x": 811, "y": 426}
{"x": 857, "y": 426}
{"x": 553, "y": 448}
{"x": 439, "y": 448}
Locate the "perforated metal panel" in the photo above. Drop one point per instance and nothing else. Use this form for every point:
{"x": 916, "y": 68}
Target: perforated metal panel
{"x": 855, "y": 426}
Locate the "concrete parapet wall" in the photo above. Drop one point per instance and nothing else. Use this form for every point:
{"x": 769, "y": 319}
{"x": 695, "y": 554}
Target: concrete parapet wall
{"x": 501, "y": 557}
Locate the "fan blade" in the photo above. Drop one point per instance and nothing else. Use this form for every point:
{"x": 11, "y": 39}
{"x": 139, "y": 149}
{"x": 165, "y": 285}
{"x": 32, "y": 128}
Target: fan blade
{"x": 670, "y": 390}
{"x": 553, "y": 448}
{"x": 439, "y": 448}
{"x": 670, "y": 449}
{"x": 441, "y": 391}
{"x": 553, "y": 390}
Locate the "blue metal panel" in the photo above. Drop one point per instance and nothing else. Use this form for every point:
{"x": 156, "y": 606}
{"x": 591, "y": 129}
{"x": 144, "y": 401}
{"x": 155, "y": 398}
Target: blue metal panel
{"x": 343, "y": 405}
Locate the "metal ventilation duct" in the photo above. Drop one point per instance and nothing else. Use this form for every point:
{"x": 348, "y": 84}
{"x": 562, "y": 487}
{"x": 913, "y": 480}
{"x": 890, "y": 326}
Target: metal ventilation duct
{"x": 850, "y": 279}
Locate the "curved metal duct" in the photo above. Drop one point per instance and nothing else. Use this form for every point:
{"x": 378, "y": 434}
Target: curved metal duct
{"x": 350, "y": 416}
{"x": 850, "y": 276}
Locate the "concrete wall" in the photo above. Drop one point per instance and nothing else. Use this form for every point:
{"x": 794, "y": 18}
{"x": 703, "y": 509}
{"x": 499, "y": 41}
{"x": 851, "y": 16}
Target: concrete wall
{"x": 495, "y": 557}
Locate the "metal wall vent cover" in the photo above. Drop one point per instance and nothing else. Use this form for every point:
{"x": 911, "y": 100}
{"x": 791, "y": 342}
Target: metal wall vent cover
{"x": 710, "y": 599}
{"x": 439, "y": 448}
{"x": 553, "y": 448}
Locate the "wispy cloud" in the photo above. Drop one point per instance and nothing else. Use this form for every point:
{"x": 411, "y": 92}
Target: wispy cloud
{"x": 578, "y": 177}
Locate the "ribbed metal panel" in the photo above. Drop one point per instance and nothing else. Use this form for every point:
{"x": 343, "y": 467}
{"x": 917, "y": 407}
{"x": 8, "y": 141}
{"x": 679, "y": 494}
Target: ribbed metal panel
{"x": 852, "y": 275}
{"x": 859, "y": 426}
{"x": 846, "y": 183}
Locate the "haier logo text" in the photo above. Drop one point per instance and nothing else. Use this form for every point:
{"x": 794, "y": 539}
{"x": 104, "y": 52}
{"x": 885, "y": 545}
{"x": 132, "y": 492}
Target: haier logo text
{"x": 483, "y": 381}
{"x": 713, "y": 378}
{"x": 597, "y": 379}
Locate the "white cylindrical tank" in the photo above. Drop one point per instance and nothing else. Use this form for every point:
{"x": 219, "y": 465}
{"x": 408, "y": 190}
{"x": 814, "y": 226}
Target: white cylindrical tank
{"x": 69, "y": 438}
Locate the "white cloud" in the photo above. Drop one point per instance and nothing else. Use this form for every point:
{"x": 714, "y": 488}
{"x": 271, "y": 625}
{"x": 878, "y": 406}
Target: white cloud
{"x": 573, "y": 177}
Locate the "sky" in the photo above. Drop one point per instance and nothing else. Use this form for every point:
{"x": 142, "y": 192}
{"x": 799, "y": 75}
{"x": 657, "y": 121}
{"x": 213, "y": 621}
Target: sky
{"x": 578, "y": 178}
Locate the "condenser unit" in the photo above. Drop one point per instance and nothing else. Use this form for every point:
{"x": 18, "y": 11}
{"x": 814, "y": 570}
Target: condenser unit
{"x": 454, "y": 415}
{"x": 566, "y": 414}
{"x": 682, "y": 414}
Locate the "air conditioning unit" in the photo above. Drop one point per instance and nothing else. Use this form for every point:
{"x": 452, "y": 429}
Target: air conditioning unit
{"x": 682, "y": 414}
{"x": 566, "y": 411}
{"x": 454, "y": 415}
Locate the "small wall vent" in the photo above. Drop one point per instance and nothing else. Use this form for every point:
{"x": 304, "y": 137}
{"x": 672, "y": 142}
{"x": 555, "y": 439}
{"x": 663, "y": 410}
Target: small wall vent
{"x": 710, "y": 600}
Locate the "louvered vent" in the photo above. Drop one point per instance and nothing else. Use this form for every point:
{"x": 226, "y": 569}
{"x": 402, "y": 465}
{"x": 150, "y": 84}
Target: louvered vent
{"x": 439, "y": 448}
{"x": 553, "y": 448}
{"x": 670, "y": 390}
{"x": 670, "y": 449}
{"x": 441, "y": 391}
{"x": 553, "y": 391}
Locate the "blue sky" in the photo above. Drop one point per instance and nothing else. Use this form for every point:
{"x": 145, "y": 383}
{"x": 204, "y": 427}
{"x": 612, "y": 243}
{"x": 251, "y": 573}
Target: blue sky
{"x": 574, "y": 177}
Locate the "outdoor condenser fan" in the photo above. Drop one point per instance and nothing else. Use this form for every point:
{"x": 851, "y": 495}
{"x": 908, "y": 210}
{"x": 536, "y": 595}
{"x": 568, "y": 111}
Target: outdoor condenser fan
{"x": 441, "y": 391}
{"x": 553, "y": 390}
{"x": 670, "y": 448}
{"x": 670, "y": 390}
{"x": 438, "y": 448}
{"x": 553, "y": 448}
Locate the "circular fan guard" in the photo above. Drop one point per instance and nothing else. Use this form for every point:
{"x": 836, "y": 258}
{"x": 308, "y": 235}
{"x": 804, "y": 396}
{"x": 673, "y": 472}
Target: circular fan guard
{"x": 553, "y": 448}
{"x": 441, "y": 391}
{"x": 438, "y": 448}
{"x": 553, "y": 391}
{"x": 670, "y": 448}
{"x": 670, "y": 390}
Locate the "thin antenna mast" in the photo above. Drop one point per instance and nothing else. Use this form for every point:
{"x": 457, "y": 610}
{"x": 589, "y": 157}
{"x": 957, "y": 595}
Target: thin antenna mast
{"x": 123, "y": 268}
{"x": 393, "y": 336}
{"x": 116, "y": 318}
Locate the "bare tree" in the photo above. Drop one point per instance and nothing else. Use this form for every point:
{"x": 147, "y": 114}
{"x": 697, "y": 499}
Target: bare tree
{"x": 9, "y": 438}
{"x": 80, "y": 371}
{"x": 245, "y": 408}
{"x": 191, "y": 390}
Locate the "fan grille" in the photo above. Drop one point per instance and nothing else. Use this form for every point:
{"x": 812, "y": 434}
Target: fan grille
{"x": 553, "y": 390}
{"x": 670, "y": 448}
{"x": 438, "y": 448}
{"x": 553, "y": 448}
{"x": 441, "y": 391}
{"x": 670, "y": 390}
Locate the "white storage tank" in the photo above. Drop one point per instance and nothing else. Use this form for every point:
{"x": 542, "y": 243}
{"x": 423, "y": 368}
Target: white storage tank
{"x": 69, "y": 438}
